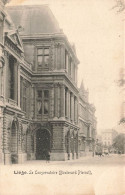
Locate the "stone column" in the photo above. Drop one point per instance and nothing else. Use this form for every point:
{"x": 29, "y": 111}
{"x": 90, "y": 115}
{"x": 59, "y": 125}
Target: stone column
{"x": 52, "y": 102}
{"x": 72, "y": 107}
{"x": 15, "y": 82}
{"x": 55, "y": 56}
{"x": 58, "y": 142}
{"x": 1, "y": 79}
{"x": 69, "y": 145}
{"x": 59, "y": 100}
{"x": 62, "y": 57}
{"x": 18, "y": 85}
{"x": 1, "y": 136}
{"x": 32, "y": 102}
{"x": 72, "y": 143}
{"x": 1, "y": 71}
{"x": 76, "y": 110}
{"x": 21, "y": 93}
{"x": 66, "y": 103}
{"x": 6, "y": 138}
{"x": 77, "y": 146}
{"x": 35, "y": 103}
{"x": 62, "y": 105}
{"x": 56, "y": 100}
{"x": 90, "y": 131}
{"x": 58, "y": 56}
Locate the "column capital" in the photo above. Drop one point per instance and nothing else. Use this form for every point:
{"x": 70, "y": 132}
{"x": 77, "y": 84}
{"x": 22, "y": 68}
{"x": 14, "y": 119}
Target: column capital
{"x": 62, "y": 85}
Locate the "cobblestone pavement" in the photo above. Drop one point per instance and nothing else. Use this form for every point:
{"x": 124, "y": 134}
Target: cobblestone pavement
{"x": 112, "y": 159}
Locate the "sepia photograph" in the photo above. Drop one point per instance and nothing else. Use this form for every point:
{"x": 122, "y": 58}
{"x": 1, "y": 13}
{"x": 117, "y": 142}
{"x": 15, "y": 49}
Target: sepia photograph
{"x": 62, "y": 97}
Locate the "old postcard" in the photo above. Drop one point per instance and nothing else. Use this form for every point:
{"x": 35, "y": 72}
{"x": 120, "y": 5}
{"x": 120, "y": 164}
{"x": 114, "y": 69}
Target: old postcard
{"x": 62, "y": 97}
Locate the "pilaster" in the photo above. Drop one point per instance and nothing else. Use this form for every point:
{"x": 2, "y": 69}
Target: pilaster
{"x": 68, "y": 104}
{"x": 62, "y": 104}
{"x": 62, "y": 56}
{"x": 56, "y": 100}
{"x": 72, "y": 107}
{"x": 52, "y": 102}
{"x": 18, "y": 102}
{"x": 58, "y": 145}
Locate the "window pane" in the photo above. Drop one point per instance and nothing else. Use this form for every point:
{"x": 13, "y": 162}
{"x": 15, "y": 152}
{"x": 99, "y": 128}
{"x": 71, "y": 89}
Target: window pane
{"x": 40, "y": 60}
{"x": 46, "y": 94}
{"x": 46, "y": 60}
{"x": 40, "y": 51}
{"x": 46, "y": 106}
{"x": 39, "y": 107}
{"x": 46, "y": 51}
{"x": 39, "y": 94}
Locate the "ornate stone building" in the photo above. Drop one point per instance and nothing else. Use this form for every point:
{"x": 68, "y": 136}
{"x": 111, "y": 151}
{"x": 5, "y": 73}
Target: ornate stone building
{"x": 87, "y": 123}
{"x": 39, "y": 97}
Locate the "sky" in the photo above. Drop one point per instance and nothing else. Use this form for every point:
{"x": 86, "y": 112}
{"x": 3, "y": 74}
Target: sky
{"x": 97, "y": 32}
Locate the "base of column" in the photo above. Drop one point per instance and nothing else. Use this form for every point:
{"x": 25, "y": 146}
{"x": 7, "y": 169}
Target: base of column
{"x": 31, "y": 156}
{"x": 82, "y": 154}
{"x": 2, "y": 158}
{"x": 58, "y": 156}
{"x": 74, "y": 156}
{"x": 22, "y": 157}
{"x": 7, "y": 159}
{"x": 77, "y": 155}
{"x": 70, "y": 156}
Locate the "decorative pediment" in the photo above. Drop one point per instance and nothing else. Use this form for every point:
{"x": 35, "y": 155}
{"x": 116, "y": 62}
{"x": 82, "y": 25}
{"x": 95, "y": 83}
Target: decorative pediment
{"x": 15, "y": 38}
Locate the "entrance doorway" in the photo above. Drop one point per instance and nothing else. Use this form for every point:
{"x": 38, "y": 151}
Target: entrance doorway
{"x": 43, "y": 143}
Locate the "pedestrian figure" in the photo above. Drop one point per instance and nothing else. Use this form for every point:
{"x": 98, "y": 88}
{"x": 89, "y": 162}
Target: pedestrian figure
{"x": 47, "y": 156}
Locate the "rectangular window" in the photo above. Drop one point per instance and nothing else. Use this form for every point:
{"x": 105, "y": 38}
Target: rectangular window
{"x": 11, "y": 77}
{"x": 46, "y": 106}
{"x": 43, "y": 102}
{"x": 43, "y": 57}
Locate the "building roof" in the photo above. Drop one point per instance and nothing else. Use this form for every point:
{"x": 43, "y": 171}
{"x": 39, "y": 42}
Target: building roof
{"x": 34, "y": 19}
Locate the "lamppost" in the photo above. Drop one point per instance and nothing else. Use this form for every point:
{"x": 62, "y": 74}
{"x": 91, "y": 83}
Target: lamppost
{"x": 95, "y": 142}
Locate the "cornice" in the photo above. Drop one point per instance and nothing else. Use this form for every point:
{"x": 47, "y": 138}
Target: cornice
{"x": 53, "y": 37}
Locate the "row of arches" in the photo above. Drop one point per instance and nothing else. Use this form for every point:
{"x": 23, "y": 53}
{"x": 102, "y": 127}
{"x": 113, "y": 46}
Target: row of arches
{"x": 37, "y": 142}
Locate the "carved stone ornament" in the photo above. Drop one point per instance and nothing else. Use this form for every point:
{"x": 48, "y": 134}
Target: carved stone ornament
{"x": 2, "y": 62}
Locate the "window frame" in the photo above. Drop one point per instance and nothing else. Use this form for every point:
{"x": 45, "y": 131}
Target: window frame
{"x": 42, "y": 99}
{"x": 43, "y": 65}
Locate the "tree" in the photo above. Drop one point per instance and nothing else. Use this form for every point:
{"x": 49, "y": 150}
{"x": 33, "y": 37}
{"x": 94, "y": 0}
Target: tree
{"x": 119, "y": 142}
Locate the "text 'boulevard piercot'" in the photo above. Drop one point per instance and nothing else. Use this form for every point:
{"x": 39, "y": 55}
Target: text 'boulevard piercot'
{"x": 59, "y": 172}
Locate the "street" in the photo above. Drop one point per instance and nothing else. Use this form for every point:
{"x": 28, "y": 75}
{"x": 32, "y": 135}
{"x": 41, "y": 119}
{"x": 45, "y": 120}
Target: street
{"x": 112, "y": 159}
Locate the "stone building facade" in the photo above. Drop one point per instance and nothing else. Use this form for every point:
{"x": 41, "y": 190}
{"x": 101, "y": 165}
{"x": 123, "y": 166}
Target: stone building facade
{"x": 87, "y": 123}
{"x": 108, "y": 136}
{"x": 39, "y": 98}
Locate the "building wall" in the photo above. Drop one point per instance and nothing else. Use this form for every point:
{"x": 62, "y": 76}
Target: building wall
{"x": 108, "y": 136}
{"x": 87, "y": 124}
{"x": 39, "y": 96}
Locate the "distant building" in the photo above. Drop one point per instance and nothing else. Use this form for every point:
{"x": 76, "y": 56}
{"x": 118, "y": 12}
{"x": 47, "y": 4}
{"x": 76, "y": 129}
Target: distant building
{"x": 87, "y": 123}
{"x": 108, "y": 136}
